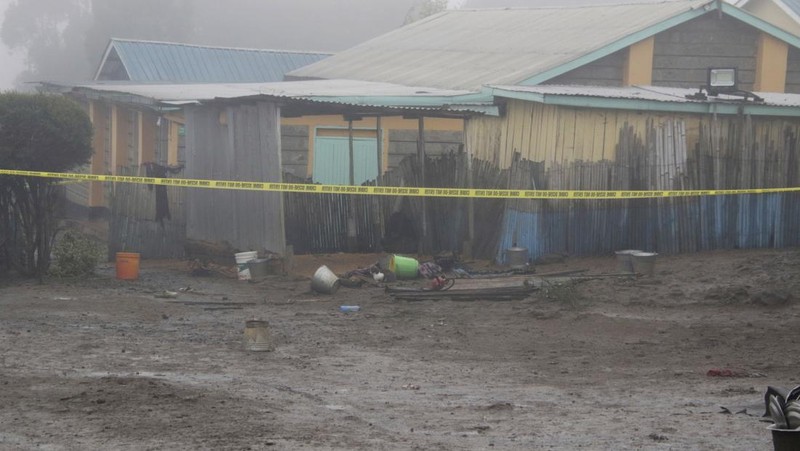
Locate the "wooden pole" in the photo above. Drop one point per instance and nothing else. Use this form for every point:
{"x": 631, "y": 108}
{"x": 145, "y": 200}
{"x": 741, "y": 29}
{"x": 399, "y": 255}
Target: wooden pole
{"x": 379, "y": 142}
{"x": 421, "y": 159}
{"x": 378, "y": 211}
{"x": 351, "y": 216}
{"x": 468, "y": 246}
{"x": 351, "y": 154}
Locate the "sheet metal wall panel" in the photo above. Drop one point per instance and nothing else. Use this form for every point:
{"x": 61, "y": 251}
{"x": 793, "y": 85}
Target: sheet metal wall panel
{"x": 583, "y": 228}
{"x": 247, "y": 148}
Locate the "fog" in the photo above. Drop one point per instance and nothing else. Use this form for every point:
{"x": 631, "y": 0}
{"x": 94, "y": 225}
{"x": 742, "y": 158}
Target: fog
{"x": 11, "y": 64}
{"x": 63, "y": 40}
{"x": 546, "y": 3}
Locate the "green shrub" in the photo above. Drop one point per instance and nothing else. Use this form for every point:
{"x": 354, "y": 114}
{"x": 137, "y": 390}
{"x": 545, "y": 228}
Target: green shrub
{"x": 38, "y": 132}
{"x": 75, "y": 254}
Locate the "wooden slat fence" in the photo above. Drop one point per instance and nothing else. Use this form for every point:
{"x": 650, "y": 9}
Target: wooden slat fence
{"x": 132, "y": 226}
{"x": 730, "y": 157}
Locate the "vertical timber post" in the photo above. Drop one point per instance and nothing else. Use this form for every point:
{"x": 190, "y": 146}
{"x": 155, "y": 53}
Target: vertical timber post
{"x": 351, "y": 201}
{"x": 378, "y": 211}
{"x": 421, "y": 159}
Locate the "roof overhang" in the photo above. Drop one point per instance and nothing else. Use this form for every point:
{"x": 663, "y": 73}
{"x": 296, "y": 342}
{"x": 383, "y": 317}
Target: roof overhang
{"x": 649, "y": 98}
{"x": 346, "y": 94}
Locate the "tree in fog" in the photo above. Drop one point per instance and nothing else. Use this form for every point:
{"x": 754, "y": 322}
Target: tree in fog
{"x": 323, "y": 25}
{"x": 152, "y": 20}
{"x": 45, "y": 133}
{"x": 64, "y": 39}
{"x": 50, "y": 33}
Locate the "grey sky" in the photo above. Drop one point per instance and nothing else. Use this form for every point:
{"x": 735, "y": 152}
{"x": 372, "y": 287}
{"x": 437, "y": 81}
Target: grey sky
{"x": 328, "y": 25}
{"x": 10, "y": 64}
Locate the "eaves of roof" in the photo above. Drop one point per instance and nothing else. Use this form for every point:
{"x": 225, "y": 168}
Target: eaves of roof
{"x": 649, "y": 98}
{"x": 330, "y": 92}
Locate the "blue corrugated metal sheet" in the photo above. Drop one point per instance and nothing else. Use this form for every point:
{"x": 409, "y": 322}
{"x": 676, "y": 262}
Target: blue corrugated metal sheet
{"x": 666, "y": 226}
{"x": 147, "y": 62}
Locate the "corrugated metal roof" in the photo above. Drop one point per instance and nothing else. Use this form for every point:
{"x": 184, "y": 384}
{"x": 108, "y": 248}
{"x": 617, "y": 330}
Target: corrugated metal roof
{"x": 468, "y": 48}
{"x": 649, "y": 93}
{"x": 652, "y": 98}
{"x": 312, "y": 88}
{"x": 344, "y": 92}
{"x": 148, "y": 61}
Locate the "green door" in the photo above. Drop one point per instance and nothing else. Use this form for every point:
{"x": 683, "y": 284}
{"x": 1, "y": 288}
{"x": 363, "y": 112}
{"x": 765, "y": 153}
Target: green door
{"x": 332, "y": 160}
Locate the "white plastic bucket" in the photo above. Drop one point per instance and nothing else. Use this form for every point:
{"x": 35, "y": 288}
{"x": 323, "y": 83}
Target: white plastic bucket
{"x": 241, "y": 263}
{"x": 325, "y": 281}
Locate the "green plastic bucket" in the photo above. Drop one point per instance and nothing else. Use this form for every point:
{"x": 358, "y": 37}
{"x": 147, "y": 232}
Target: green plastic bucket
{"x": 404, "y": 267}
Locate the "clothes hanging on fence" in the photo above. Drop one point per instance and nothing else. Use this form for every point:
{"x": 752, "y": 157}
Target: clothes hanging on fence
{"x": 162, "y": 201}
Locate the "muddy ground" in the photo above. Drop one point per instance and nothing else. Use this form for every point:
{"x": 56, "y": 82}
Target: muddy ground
{"x": 610, "y": 363}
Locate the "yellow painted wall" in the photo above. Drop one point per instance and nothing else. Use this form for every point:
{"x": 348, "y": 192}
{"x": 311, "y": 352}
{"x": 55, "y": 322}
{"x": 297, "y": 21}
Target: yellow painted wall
{"x": 174, "y": 123}
{"x": 98, "y": 114}
{"x": 119, "y": 135}
{"x": 360, "y": 129}
{"x": 148, "y": 132}
{"x": 173, "y": 140}
{"x": 771, "y": 63}
{"x": 558, "y": 135}
{"x": 117, "y": 120}
{"x": 638, "y": 68}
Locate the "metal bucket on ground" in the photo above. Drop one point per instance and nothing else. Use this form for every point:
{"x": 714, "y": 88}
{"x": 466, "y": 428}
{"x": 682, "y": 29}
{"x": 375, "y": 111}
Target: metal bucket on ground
{"x": 517, "y": 257}
{"x": 257, "y": 336}
{"x": 644, "y": 263}
{"x": 404, "y": 267}
{"x": 325, "y": 281}
{"x": 259, "y": 268}
{"x": 242, "y": 258}
{"x": 127, "y": 265}
{"x": 624, "y": 260}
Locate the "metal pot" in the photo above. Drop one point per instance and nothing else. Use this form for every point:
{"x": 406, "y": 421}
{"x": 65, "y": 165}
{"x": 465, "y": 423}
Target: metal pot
{"x": 517, "y": 257}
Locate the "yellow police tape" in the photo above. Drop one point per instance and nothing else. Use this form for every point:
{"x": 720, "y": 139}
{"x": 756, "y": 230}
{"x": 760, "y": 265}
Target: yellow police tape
{"x": 392, "y": 190}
